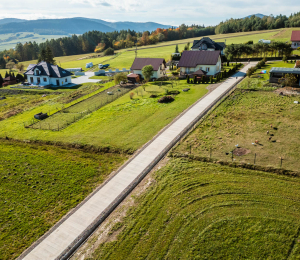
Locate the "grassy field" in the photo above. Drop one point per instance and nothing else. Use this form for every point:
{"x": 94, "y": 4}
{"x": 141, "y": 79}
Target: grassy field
{"x": 157, "y": 51}
{"x": 15, "y": 104}
{"x": 245, "y": 117}
{"x": 39, "y": 184}
{"x": 75, "y": 112}
{"x": 124, "y": 124}
{"x": 10, "y": 40}
{"x": 195, "y": 210}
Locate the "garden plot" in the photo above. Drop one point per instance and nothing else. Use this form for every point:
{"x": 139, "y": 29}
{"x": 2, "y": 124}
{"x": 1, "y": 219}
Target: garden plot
{"x": 69, "y": 115}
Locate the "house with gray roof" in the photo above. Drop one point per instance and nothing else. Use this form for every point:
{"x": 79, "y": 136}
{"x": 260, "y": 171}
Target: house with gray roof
{"x": 276, "y": 73}
{"x": 207, "y": 61}
{"x": 158, "y": 64}
{"x": 45, "y": 74}
{"x": 207, "y": 44}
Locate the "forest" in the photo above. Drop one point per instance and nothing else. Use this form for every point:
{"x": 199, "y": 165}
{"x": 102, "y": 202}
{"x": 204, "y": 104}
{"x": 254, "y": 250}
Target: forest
{"x": 98, "y": 41}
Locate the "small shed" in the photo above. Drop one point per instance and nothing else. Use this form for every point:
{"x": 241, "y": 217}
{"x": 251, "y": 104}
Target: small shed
{"x": 10, "y": 80}
{"x": 134, "y": 78}
{"x": 277, "y": 73}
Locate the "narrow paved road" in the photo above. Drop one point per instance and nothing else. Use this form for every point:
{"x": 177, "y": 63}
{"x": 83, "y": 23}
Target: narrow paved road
{"x": 85, "y": 79}
{"x": 65, "y": 235}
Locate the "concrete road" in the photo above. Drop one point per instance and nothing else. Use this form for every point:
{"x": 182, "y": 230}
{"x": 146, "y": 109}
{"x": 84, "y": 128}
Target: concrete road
{"x": 85, "y": 79}
{"x": 69, "y": 231}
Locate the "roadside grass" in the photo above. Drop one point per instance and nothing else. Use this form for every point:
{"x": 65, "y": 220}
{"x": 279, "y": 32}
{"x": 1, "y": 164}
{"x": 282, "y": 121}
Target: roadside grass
{"x": 196, "y": 210}
{"x": 39, "y": 184}
{"x": 124, "y": 124}
{"x": 245, "y": 117}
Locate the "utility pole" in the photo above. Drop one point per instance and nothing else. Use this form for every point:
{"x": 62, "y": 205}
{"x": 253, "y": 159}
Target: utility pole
{"x": 135, "y": 50}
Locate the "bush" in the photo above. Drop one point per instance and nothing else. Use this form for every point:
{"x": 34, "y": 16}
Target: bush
{"x": 153, "y": 96}
{"x": 173, "y": 92}
{"x": 131, "y": 95}
{"x": 109, "y": 51}
{"x": 166, "y": 99}
{"x": 175, "y": 73}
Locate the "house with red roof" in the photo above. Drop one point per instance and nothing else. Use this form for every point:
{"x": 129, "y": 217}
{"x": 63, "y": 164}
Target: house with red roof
{"x": 295, "y": 39}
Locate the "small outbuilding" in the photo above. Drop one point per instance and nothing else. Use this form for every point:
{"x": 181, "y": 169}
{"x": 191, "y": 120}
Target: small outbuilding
{"x": 277, "y": 73}
{"x": 295, "y": 38}
{"x": 133, "y": 78}
{"x": 10, "y": 80}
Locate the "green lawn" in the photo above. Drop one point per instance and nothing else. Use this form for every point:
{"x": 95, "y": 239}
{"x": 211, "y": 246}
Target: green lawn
{"x": 123, "y": 124}
{"x": 195, "y": 210}
{"x": 39, "y": 184}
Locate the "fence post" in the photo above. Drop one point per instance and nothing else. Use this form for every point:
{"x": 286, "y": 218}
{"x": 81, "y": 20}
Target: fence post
{"x": 281, "y": 162}
{"x": 58, "y": 127}
{"x": 254, "y": 158}
{"x": 210, "y": 154}
{"x": 232, "y": 155}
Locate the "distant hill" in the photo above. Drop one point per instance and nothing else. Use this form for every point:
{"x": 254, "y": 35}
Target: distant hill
{"x": 76, "y": 25}
{"x": 256, "y": 15}
{"x": 11, "y": 20}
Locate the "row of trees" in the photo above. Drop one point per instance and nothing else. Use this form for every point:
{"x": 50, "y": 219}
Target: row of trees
{"x": 277, "y": 49}
{"x": 254, "y": 23}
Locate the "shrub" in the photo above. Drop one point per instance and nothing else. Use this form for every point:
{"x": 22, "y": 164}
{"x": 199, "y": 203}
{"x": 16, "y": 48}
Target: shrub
{"x": 109, "y": 51}
{"x": 175, "y": 73}
{"x": 166, "y": 99}
{"x": 173, "y": 92}
{"x": 131, "y": 95}
{"x": 153, "y": 96}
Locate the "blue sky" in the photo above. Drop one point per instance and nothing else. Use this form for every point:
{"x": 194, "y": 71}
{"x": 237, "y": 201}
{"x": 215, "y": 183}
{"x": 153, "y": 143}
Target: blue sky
{"x": 171, "y": 12}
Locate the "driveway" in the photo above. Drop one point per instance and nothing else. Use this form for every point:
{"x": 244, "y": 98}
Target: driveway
{"x": 85, "y": 79}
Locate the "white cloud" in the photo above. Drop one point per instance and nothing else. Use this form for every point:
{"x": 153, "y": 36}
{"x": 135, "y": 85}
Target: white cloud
{"x": 167, "y": 11}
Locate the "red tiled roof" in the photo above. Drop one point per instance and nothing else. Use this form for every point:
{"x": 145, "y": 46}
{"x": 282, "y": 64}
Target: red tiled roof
{"x": 295, "y": 36}
{"x": 199, "y": 73}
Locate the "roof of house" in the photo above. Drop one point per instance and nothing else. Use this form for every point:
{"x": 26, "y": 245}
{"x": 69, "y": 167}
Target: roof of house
{"x": 285, "y": 70}
{"x": 47, "y": 69}
{"x": 132, "y": 75}
{"x": 295, "y": 36}
{"x": 193, "y": 58}
{"x": 9, "y": 78}
{"x": 199, "y": 73}
{"x": 218, "y": 46}
{"x": 140, "y": 63}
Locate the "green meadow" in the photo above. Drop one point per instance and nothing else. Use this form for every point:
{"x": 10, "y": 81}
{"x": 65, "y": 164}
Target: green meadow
{"x": 195, "y": 210}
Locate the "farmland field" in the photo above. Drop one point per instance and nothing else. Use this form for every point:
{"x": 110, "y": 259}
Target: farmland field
{"x": 123, "y": 124}
{"x": 244, "y": 118}
{"x": 39, "y": 184}
{"x": 195, "y": 210}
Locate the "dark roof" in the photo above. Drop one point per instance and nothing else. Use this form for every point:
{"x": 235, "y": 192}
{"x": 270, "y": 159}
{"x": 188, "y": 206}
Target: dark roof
{"x": 199, "y": 73}
{"x": 194, "y": 58}
{"x": 285, "y": 70}
{"x": 140, "y": 63}
{"x": 218, "y": 46}
{"x": 295, "y": 36}
{"x": 9, "y": 78}
{"x": 132, "y": 75}
{"x": 48, "y": 69}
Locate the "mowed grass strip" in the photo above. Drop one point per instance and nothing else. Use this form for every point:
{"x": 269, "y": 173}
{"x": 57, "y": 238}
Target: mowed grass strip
{"x": 124, "y": 124}
{"x": 195, "y": 210}
{"x": 39, "y": 184}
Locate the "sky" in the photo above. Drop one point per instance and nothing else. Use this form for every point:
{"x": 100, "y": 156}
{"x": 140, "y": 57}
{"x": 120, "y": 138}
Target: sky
{"x": 169, "y": 12}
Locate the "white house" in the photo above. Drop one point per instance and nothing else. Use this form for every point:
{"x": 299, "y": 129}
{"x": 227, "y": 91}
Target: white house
{"x": 159, "y": 66}
{"x": 295, "y": 38}
{"x": 207, "y": 61}
{"x": 207, "y": 44}
{"x": 44, "y": 74}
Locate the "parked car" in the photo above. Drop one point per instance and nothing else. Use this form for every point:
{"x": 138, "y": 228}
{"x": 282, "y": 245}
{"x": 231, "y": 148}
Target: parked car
{"x": 103, "y": 66}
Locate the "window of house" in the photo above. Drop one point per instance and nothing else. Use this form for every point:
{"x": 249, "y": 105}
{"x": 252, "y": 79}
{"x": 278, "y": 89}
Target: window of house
{"x": 207, "y": 69}
{"x": 66, "y": 80}
{"x": 45, "y": 79}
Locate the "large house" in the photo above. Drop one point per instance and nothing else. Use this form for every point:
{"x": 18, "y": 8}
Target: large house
{"x": 207, "y": 44}
{"x": 159, "y": 66}
{"x": 209, "y": 62}
{"x": 295, "y": 39}
{"x": 45, "y": 73}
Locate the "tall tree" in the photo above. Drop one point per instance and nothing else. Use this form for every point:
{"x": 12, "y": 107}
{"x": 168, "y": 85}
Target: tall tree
{"x": 1, "y": 80}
